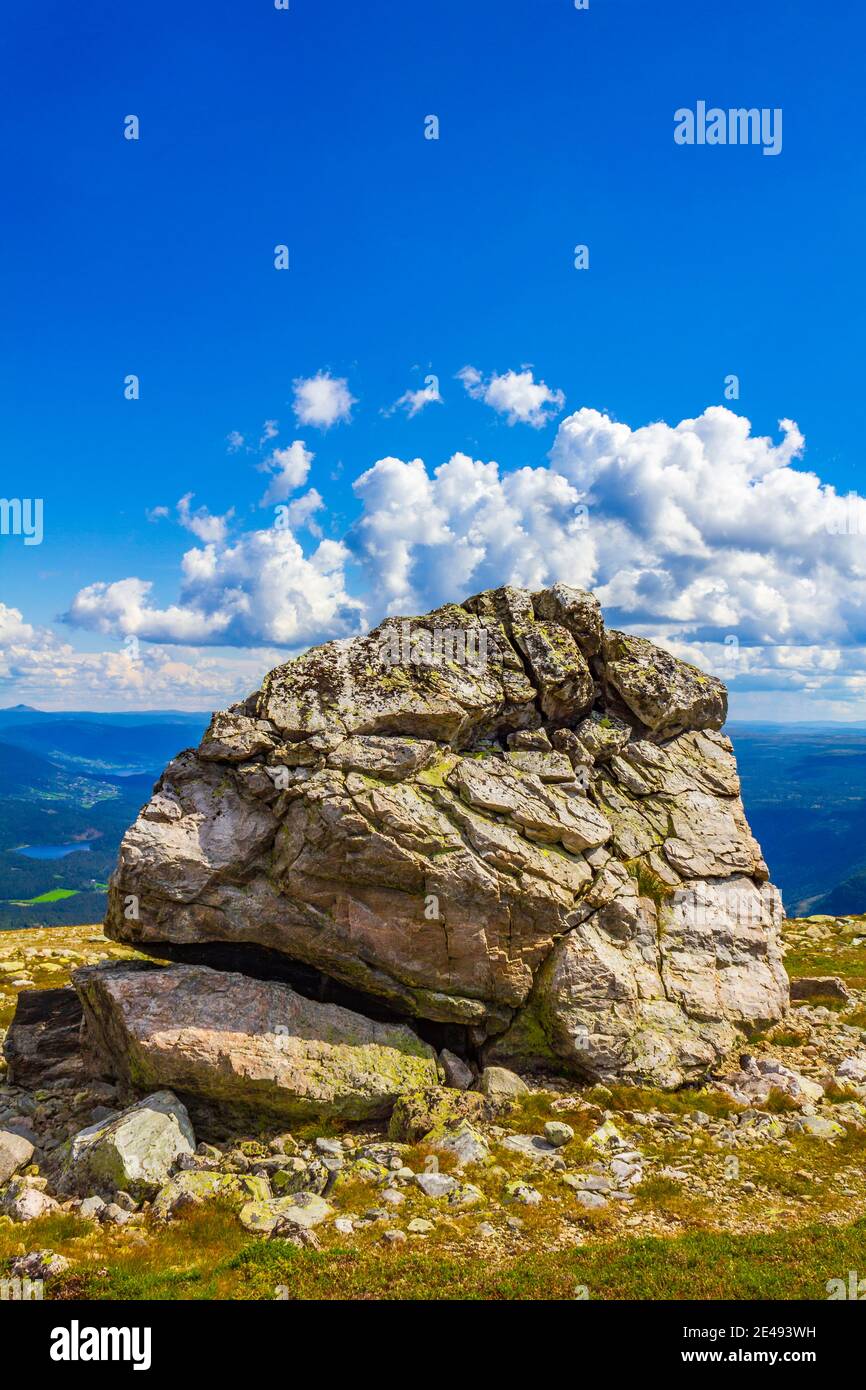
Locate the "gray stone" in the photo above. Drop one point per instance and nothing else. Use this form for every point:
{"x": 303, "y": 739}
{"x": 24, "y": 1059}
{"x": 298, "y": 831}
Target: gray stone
{"x": 558, "y": 1133}
{"x": 501, "y": 1084}
{"x": 458, "y": 1073}
{"x": 601, "y": 906}
{"x": 15, "y": 1153}
{"x": 593, "y": 1201}
{"x": 244, "y": 1044}
{"x": 305, "y": 1210}
{"x": 135, "y": 1151}
{"x": 435, "y": 1184}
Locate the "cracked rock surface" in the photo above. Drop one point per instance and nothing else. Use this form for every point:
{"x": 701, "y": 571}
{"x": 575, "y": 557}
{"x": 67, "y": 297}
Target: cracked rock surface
{"x": 499, "y": 816}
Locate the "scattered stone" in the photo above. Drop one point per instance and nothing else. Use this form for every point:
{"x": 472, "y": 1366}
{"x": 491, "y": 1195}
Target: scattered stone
{"x": 530, "y": 1146}
{"x": 90, "y": 1208}
{"x": 419, "y": 1227}
{"x": 821, "y": 986}
{"x": 521, "y": 1192}
{"x": 558, "y": 1133}
{"x": 457, "y": 1072}
{"x": 500, "y": 1084}
{"x": 434, "y": 1108}
{"x": 112, "y": 1214}
{"x": 305, "y": 1209}
{"x": 593, "y": 1201}
{"x": 191, "y": 1189}
{"x": 435, "y": 1184}
{"x": 38, "y": 1264}
{"x": 23, "y": 1201}
{"x": 464, "y": 1140}
{"x": 15, "y": 1153}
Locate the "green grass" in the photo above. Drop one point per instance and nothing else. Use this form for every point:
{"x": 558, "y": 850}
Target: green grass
{"x": 848, "y": 962}
{"x": 789, "y": 1265}
{"x": 54, "y": 895}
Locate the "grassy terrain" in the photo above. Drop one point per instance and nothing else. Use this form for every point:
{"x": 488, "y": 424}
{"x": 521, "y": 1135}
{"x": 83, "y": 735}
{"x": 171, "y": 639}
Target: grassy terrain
{"x": 206, "y": 1255}
{"x": 761, "y": 1219}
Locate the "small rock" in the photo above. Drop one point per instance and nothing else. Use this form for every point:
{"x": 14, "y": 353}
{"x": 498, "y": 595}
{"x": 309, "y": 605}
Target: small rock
{"x": 304, "y": 1209}
{"x": 465, "y": 1141}
{"x": 435, "y": 1184}
{"x": 113, "y": 1214}
{"x": 393, "y": 1197}
{"x": 90, "y": 1208}
{"x": 500, "y": 1084}
{"x": 593, "y": 1201}
{"x": 821, "y": 1127}
{"x": 556, "y": 1132}
{"x": 15, "y": 1153}
{"x": 457, "y": 1072}
{"x": 821, "y": 986}
{"x": 24, "y": 1201}
{"x": 38, "y": 1264}
{"x": 419, "y": 1227}
{"x": 530, "y": 1146}
{"x": 346, "y": 1226}
{"x": 521, "y": 1192}
{"x": 394, "y": 1237}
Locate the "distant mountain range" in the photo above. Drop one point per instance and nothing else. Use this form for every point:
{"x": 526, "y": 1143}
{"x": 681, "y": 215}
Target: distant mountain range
{"x": 77, "y": 780}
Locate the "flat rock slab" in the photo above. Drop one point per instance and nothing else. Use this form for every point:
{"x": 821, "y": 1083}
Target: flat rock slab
{"x": 531, "y": 1146}
{"x": 252, "y": 1044}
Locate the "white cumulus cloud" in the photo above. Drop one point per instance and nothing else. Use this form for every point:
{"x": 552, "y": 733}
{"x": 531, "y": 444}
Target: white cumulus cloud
{"x": 322, "y": 400}
{"x": 516, "y": 395}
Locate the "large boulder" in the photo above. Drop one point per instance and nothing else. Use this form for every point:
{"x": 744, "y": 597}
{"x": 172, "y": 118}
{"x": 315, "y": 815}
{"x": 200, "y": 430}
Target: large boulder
{"x": 241, "y": 1044}
{"x": 134, "y": 1151}
{"x": 498, "y": 818}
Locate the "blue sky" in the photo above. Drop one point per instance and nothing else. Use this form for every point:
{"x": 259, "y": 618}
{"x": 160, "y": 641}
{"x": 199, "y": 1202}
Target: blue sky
{"x": 409, "y": 258}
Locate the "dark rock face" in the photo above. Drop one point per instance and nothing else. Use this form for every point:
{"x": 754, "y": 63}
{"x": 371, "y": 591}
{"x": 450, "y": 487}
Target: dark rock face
{"x": 42, "y": 1044}
{"x": 498, "y": 816}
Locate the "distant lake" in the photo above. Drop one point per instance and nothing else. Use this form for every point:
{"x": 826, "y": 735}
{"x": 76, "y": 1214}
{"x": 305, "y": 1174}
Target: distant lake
{"x": 50, "y": 851}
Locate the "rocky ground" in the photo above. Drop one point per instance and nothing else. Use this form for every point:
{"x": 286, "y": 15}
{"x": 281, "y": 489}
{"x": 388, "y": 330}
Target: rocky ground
{"x": 518, "y": 1181}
